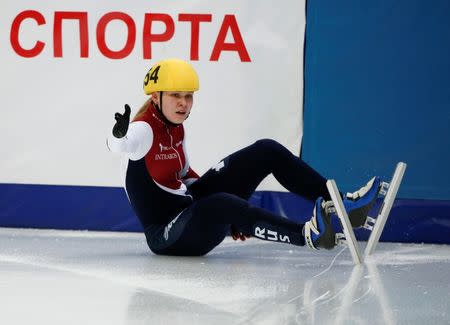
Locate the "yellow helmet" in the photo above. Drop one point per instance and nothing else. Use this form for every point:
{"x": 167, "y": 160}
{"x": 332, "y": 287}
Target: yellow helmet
{"x": 171, "y": 75}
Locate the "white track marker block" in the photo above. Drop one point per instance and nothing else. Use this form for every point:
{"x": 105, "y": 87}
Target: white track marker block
{"x": 346, "y": 225}
{"x": 385, "y": 208}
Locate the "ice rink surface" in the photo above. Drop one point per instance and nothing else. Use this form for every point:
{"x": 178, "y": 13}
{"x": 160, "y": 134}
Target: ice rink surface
{"x": 73, "y": 277}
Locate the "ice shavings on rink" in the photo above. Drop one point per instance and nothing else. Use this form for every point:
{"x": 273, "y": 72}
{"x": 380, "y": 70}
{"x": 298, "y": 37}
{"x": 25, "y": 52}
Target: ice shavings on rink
{"x": 50, "y": 277}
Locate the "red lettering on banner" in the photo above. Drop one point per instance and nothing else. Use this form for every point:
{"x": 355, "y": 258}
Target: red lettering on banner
{"x": 229, "y": 22}
{"x": 195, "y": 20}
{"x": 57, "y": 32}
{"x": 148, "y": 37}
{"x": 131, "y": 36}
{"x": 14, "y": 35}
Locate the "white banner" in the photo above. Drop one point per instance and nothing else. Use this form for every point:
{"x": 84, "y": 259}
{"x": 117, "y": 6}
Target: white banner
{"x": 68, "y": 66}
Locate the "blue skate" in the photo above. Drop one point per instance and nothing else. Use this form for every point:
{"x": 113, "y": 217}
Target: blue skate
{"x": 318, "y": 232}
{"x": 359, "y": 203}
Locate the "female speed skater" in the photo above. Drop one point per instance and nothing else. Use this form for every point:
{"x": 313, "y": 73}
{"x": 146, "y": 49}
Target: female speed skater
{"x": 184, "y": 214}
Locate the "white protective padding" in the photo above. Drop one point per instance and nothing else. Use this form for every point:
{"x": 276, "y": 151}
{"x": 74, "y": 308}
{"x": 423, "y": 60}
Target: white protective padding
{"x": 57, "y": 111}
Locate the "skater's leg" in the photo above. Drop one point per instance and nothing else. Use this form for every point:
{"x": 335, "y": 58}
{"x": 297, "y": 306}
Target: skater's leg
{"x": 241, "y": 172}
{"x": 186, "y": 235}
{"x": 225, "y": 208}
{"x": 204, "y": 224}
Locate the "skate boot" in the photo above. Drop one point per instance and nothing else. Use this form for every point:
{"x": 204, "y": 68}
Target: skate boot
{"x": 359, "y": 203}
{"x": 318, "y": 232}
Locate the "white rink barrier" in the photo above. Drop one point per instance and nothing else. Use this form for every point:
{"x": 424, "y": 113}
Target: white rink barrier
{"x": 67, "y": 67}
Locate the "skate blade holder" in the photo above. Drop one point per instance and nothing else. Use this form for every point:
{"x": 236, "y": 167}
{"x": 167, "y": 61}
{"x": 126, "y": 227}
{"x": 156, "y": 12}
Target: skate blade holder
{"x": 376, "y": 225}
{"x": 384, "y": 188}
{"x": 370, "y": 222}
{"x": 340, "y": 239}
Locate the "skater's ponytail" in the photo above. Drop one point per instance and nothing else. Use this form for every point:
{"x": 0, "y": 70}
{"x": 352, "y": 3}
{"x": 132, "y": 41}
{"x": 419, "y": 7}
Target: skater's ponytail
{"x": 143, "y": 108}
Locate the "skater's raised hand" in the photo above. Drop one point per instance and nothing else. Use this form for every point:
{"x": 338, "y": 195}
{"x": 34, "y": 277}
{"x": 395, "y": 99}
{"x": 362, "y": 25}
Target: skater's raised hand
{"x": 122, "y": 121}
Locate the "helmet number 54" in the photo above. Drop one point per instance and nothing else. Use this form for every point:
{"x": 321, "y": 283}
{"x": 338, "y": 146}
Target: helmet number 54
{"x": 152, "y": 75}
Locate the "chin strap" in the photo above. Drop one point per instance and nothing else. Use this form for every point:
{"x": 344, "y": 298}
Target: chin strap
{"x": 159, "y": 109}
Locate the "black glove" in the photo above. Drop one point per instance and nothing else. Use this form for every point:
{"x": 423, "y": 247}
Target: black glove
{"x": 122, "y": 121}
{"x": 237, "y": 234}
